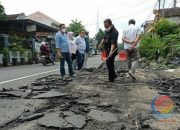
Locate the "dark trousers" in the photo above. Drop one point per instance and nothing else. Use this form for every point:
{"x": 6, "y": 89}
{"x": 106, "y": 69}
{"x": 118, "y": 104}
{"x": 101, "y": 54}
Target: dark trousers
{"x": 132, "y": 59}
{"x": 73, "y": 57}
{"x": 80, "y": 60}
{"x": 110, "y": 66}
{"x": 66, "y": 57}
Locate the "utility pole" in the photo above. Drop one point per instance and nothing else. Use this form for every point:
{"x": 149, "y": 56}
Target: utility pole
{"x": 159, "y": 12}
{"x": 97, "y": 24}
{"x": 163, "y": 8}
{"x": 175, "y": 2}
{"x": 159, "y": 5}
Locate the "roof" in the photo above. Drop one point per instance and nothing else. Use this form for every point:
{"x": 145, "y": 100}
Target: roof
{"x": 147, "y": 22}
{"x": 15, "y": 16}
{"x": 171, "y": 12}
{"x": 20, "y": 25}
{"x": 42, "y": 18}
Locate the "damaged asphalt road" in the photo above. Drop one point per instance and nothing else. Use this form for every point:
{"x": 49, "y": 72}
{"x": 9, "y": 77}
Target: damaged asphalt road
{"x": 50, "y": 103}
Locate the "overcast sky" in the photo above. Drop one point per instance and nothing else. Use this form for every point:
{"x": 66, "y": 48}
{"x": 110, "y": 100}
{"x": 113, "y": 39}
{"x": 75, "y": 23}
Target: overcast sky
{"x": 120, "y": 11}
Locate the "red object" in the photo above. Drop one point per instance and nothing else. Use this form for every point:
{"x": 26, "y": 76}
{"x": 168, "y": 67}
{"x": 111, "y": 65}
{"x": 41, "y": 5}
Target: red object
{"x": 103, "y": 56}
{"x": 44, "y": 50}
{"x": 122, "y": 55}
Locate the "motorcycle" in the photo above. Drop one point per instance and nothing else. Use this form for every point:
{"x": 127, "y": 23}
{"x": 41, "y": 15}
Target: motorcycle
{"x": 47, "y": 59}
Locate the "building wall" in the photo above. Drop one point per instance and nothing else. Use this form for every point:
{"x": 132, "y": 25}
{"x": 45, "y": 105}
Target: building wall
{"x": 175, "y": 20}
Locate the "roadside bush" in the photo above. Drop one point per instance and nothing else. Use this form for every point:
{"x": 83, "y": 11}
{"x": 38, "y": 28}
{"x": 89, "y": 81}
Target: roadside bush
{"x": 165, "y": 44}
{"x": 151, "y": 48}
{"x": 165, "y": 27}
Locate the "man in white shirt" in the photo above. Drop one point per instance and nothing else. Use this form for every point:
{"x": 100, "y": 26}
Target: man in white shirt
{"x": 81, "y": 48}
{"x": 131, "y": 38}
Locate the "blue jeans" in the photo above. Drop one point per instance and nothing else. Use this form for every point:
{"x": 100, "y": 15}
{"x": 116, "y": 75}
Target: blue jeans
{"x": 80, "y": 60}
{"x": 67, "y": 58}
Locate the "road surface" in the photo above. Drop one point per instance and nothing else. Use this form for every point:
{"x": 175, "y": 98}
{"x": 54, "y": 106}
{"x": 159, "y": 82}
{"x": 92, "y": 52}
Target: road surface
{"x": 16, "y": 76}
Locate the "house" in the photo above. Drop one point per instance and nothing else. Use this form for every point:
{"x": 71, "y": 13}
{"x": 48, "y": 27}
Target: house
{"x": 147, "y": 25}
{"x": 32, "y": 31}
{"x": 44, "y": 19}
{"x": 16, "y": 16}
{"x": 172, "y": 14}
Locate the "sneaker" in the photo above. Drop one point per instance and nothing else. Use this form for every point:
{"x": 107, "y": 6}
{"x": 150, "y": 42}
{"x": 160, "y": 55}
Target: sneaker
{"x": 109, "y": 81}
{"x": 64, "y": 78}
{"x": 132, "y": 75}
{"x": 74, "y": 75}
{"x": 127, "y": 75}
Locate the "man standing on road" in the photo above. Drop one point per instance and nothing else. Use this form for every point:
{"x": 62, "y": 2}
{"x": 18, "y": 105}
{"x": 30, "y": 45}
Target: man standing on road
{"x": 131, "y": 38}
{"x": 86, "y": 54}
{"x": 110, "y": 44}
{"x": 81, "y": 47}
{"x": 62, "y": 47}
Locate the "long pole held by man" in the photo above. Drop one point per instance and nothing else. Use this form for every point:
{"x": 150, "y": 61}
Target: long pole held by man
{"x": 110, "y": 44}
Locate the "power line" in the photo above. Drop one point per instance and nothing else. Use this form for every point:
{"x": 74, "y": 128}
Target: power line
{"x": 170, "y": 5}
{"x": 125, "y": 16}
{"x": 152, "y": 11}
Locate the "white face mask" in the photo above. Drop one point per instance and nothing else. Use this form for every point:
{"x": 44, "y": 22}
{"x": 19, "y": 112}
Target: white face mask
{"x": 64, "y": 30}
{"x": 108, "y": 29}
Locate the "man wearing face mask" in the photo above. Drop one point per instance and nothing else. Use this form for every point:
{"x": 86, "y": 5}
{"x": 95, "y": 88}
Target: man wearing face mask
{"x": 110, "y": 45}
{"x": 81, "y": 48}
{"x": 62, "y": 47}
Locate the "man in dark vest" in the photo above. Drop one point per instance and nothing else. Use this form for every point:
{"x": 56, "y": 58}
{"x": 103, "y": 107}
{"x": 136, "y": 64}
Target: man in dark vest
{"x": 110, "y": 45}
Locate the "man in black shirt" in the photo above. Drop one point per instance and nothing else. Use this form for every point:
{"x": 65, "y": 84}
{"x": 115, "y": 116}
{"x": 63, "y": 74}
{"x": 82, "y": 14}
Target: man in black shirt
{"x": 110, "y": 45}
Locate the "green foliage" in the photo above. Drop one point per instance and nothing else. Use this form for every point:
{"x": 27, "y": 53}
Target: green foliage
{"x": 151, "y": 48}
{"x": 2, "y": 12}
{"x": 29, "y": 54}
{"x": 75, "y": 26}
{"x": 16, "y": 39}
{"x": 22, "y": 52}
{"x": 99, "y": 36}
{"x": 35, "y": 54}
{"x": 14, "y": 49}
{"x": 166, "y": 44}
{"x": 165, "y": 27}
{"x": 5, "y": 53}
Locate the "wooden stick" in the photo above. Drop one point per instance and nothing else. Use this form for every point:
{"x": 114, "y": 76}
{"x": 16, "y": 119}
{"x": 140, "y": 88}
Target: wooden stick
{"x": 98, "y": 67}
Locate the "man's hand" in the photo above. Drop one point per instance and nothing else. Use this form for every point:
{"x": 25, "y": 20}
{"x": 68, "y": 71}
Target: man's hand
{"x": 59, "y": 55}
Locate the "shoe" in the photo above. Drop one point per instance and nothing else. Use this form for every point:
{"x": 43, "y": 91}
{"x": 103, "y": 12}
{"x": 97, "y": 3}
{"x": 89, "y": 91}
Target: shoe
{"x": 64, "y": 78}
{"x": 109, "y": 81}
{"x": 132, "y": 75}
{"x": 127, "y": 75}
{"x": 115, "y": 76}
{"x": 74, "y": 75}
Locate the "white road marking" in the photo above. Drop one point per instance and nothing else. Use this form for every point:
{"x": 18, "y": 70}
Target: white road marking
{"x": 8, "y": 81}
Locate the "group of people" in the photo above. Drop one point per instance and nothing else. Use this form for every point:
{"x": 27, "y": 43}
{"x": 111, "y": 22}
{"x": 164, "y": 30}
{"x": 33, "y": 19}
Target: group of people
{"x": 131, "y": 38}
{"x": 73, "y": 51}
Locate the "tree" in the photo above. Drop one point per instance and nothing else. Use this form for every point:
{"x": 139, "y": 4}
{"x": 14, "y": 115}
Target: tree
{"x": 165, "y": 27}
{"x": 75, "y": 26}
{"x": 99, "y": 36}
{"x": 2, "y": 12}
